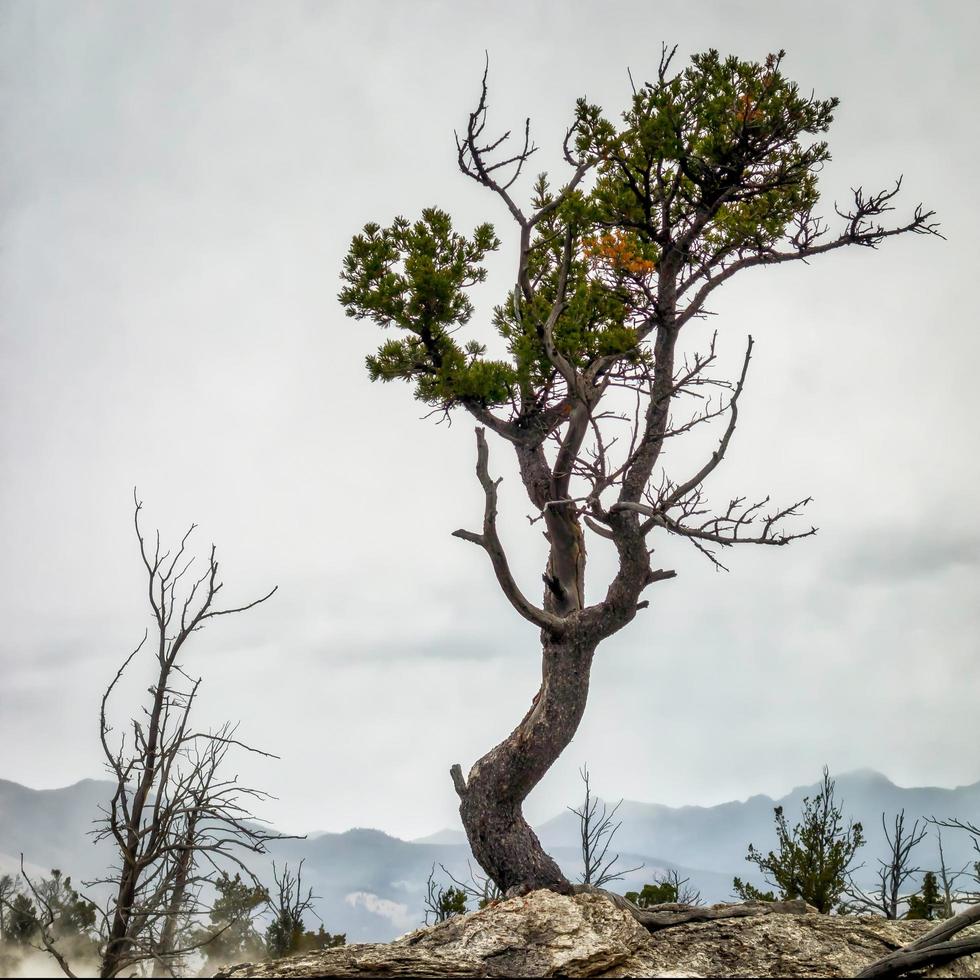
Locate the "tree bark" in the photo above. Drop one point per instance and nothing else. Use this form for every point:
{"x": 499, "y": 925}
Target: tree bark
{"x": 501, "y": 839}
{"x": 162, "y": 967}
{"x": 120, "y": 939}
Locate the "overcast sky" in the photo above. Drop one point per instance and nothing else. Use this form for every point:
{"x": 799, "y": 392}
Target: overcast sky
{"x": 179, "y": 185}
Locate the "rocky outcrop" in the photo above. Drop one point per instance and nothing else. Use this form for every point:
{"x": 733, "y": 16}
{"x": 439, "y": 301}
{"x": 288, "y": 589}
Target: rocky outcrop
{"x": 544, "y": 934}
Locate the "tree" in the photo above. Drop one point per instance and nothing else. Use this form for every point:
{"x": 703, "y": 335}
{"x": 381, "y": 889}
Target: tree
{"x": 928, "y": 903}
{"x": 49, "y": 915}
{"x": 948, "y": 877}
{"x": 668, "y": 888}
{"x": 63, "y": 921}
{"x": 480, "y": 888}
{"x": 596, "y": 832}
{"x": 19, "y": 924}
{"x": 287, "y": 933}
{"x": 813, "y": 860}
{"x": 8, "y": 955}
{"x": 73, "y": 914}
{"x": 748, "y": 892}
{"x": 939, "y": 945}
{"x": 8, "y": 888}
{"x": 22, "y": 920}
{"x": 893, "y": 873}
{"x": 443, "y": 902}
{"x": 321, "y": 939}
{"x": 230, "y": 935}
{"x": 711, "y": 172}
{"x": 173, "y": 813}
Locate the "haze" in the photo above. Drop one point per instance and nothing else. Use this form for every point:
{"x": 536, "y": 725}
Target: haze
{"x": 180, "y": 184}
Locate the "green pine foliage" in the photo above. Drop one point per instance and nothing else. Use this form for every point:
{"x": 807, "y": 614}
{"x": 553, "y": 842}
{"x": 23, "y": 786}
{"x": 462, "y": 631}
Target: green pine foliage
{"x": 731, "y": 132}
{"x": 74, "y": 916}
{"x": 721, "y": 121}
{"x": 749, "y": 893}
{"x": 452, "y": 902}
{"x": 230, "y": 935}
{"x": 811, "y": 860}
{"x": 69, "y": 918}
{"x": 658, "y": 894}
{"x": 414, "y": 276}
{"x": 287, "y": 936}
{"x": 928, "y": 904}
{"x": 20, "y": 922}
{"x": 442, "y": 902}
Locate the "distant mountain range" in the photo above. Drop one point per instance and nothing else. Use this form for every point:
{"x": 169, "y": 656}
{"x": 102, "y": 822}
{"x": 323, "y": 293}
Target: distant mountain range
{"x": 371, "y": 885}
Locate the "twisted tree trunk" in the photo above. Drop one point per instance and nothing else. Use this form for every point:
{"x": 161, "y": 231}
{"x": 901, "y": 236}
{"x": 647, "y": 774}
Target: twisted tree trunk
{"x": 501, "y": 839}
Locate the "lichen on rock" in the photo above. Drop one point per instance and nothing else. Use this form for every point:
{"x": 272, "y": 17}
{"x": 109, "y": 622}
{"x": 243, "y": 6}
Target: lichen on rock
{"x": 544, "y": 934}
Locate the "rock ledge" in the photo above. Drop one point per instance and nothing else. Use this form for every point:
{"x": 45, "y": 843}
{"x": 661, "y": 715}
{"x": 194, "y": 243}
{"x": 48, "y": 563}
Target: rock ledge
{"x": 544, "y": 934}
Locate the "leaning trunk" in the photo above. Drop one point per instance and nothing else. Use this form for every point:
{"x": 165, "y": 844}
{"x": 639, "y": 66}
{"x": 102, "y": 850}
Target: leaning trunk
{"x": 501, "y": 839}
{"x": 164, "y": 961}
{"x": 119, "y": 943}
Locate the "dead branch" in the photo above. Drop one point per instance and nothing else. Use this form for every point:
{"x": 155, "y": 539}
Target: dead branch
{"x": 490, "y": 542}
{"x": 893, "y": 872}
{"x": 479, "y": 887}
{"x": 173, "y": 817}
{"x": 933, "y": 949}
{"x": 596, "y": 831}
{"x": 44, "y": 923}
{"x": 670, "y": 914}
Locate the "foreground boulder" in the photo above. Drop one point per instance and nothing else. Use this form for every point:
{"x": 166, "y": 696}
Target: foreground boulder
{"x": 544, "y": 934}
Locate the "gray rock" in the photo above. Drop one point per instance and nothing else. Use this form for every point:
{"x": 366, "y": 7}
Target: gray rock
{"x": 544, "y": 934}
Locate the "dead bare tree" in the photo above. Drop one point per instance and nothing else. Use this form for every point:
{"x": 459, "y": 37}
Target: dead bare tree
{"x": 480, "y": 888}
{"x": 893, "y": 871}
{"x": 174, "y": 816}
{"x": 288, "y": 907}
{"x": 936, "y": 947}
{"x": 940, "y": 944}
{"x": 949, "y": 878}
{"x": 8, "y": 889}
{"x": 442, "y": 902}
{"x": 667, "y": 891}
{"x": 596, "y": 832}
{"x": 711, "y": 173}
{"x": 686, "y": 893}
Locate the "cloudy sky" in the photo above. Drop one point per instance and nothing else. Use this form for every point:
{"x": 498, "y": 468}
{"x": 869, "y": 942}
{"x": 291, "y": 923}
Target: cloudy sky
{"x": 180, "y": 183}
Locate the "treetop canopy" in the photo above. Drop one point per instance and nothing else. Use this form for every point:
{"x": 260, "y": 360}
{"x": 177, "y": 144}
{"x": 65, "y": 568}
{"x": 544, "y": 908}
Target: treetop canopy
{"x": 709, "y": 167}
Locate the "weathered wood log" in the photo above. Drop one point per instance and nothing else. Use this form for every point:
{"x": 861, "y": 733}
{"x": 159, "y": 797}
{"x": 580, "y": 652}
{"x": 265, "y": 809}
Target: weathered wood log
{"x": 667, "y": 914}
{"x": 933, "y": 949}
{"x": 545, "y": 934}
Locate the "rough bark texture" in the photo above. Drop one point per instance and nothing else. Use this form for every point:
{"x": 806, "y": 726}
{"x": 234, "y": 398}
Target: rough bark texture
{"x": 501, "y": 839}
{"x": 544, "y": 934}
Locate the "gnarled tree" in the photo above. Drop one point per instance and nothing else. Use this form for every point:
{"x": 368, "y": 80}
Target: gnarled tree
{"x": 176, "y": 819}
{"x": 712, "y": 171}
{"x": 893, "y": 873}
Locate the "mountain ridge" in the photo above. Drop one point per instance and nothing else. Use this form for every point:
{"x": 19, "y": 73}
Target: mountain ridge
{"x": 841, "y": 779}
{"x": 371, "y": 883}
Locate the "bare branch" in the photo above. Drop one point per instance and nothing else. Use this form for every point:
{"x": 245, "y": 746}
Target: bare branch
{"x": 171, "y": 815}
{"x": 44, "y": 923}
{"x": 892, "y": 873}
{"x": 861, "y": 229}
{"x": 934, "y": 948}
{"x": 596, "y": 831}
{"x": 719, "y": 454}
{"x": 473, "y": 156}
{"x": 490, "y": 542}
